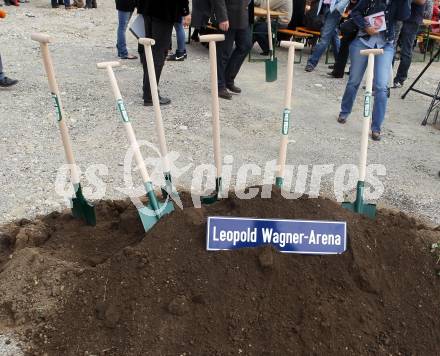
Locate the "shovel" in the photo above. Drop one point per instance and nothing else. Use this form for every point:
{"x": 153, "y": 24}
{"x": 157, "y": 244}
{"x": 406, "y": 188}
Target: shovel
{"x": 286, "y": 113}
{"x": 272, "y": 62}
{"x": 155, "y": 210}
{"x": 81, "y": 209}
{"x": 168, "y": 189}
{"x": 212, "y": 39}
{"x": 359, "y": 206}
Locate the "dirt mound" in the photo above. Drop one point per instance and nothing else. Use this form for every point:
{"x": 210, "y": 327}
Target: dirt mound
{"x": 70, "y": 289}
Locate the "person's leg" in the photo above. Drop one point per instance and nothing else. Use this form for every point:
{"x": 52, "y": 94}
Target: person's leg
{"x": 243, "y": 45}
{"x": 381, "y": 77}
{"x": 2, "y": 75}
{"x": 336, "y": 42}
{"x": 121, "y": 44}
{"x": 180, "y": 36}
{"x": 357, "y": 70}
{"x": 224, "y": 50}
{"x": 407, "y": 38}
{"x": 4, "y": 80}
{"x": 342, "y": 57}
{"x": 67, "y": 4}
{"x": 260, "y": 36}
{"x": 161, "y": 32}
{"x": 328, "y": 33}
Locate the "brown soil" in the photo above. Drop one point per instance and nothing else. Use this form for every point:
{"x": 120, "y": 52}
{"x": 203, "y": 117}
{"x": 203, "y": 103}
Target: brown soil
{"x": 70, "y": 289}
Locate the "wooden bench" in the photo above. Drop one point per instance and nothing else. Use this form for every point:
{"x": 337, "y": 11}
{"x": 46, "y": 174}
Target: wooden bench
{"x": 296, "y": 35}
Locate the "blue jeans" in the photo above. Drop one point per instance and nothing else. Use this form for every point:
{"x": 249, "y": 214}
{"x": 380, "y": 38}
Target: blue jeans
{"x": 380, "y": 85}
{"x": 180, "y": 35}
{"x": 230, "y": 59}
{"x": 121, "y": 44}
{"x": 329, "y": 32}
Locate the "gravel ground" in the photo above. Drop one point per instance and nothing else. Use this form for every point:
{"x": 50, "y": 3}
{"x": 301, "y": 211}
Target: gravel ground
{"x": 30, "y": 146}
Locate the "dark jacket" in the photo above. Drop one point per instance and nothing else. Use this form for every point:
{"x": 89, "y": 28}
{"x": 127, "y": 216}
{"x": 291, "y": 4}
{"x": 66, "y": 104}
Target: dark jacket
{"x": 126, "y": 5}
{"x": 202, "y": 11}
{"x": 396, "y": 10}
{"x": 234, "y": 11}
{"x": 165, "y": 10}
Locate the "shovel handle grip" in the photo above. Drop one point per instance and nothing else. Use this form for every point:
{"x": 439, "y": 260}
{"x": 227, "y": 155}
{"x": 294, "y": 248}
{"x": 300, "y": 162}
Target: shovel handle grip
{"x": 288, "y": 44}
{"x": 41, "y": 37}
{"x": 212, "y": 38}
{"x": 147, "y": 41}
{"x": 373, "y": 51}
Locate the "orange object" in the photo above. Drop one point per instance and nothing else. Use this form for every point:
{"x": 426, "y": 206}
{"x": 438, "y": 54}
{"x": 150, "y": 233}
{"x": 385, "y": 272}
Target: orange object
{"x": 2, "y": 14}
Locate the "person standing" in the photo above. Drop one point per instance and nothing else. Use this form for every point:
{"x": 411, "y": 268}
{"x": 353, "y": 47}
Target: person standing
{"x": 260, "y": 27}
{"x": 370, "y": 36}
{"x": 234, "y": 21}
{"x": 159, "y": 18}
{"x": 408, "y": 34}
{"x": 332, "y": 11}
{"x": 125, "y": 10}
{"x": 180, "y": 54}
{"x": 4, "y": 80}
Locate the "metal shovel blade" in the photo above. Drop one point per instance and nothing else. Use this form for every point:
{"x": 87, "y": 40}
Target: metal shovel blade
{"x": 364, "y": 209}
{"x": 271, "y": 69}
{"x": 212, "y": 198}
{"x": 81, "y": 208}
{"x": 149, "y": 217}
{"x": 359, "y": 206}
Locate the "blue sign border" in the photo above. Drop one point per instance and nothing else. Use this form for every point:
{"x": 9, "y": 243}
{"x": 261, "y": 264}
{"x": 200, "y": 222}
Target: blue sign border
{"x": 208, "y": 248}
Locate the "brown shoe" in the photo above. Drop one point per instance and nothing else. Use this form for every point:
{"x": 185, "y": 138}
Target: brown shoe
{"x": 375, "y": 135}
{"x": 224, "y": 94}
{"x": 342, "y": 120}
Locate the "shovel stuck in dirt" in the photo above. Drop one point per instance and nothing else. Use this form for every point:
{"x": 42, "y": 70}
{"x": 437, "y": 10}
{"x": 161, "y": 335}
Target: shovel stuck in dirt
{"x": 155, "y": 210}
{"x": 359, "y": 206}
{"x": 169, "y": 188}
{"x": 80, "y": 207}
{"x": 212, "y": 39}
{"x": 272, "y": 61}
{"x": 287, "y": 107}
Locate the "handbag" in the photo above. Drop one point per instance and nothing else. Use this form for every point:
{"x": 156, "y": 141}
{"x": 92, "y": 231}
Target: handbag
{"x": 349, "y": 28}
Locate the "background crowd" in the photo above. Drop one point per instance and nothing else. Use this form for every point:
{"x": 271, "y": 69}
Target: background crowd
{"x": 345, "y": 26}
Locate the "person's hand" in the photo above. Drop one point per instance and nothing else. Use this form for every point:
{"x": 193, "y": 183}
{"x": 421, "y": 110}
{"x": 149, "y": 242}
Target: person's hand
{"x": 187, "y": 20}
{"x": 224, "y": 26}
{"x": 371, "y": 31}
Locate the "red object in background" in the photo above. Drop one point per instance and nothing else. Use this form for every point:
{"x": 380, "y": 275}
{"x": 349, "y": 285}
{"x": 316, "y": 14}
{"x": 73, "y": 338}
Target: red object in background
{"x": 435, "y": 17}
{"x": 2, "y": 14}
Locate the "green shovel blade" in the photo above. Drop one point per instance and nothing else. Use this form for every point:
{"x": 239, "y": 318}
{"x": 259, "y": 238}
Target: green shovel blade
{"x": 279, "y": 182}
{"x": 81, "y": 208}
{"x": 211, "y": 199}
{"x": 149, "y": 217}
{"x": 359, "y": 206}
{"x": 271, "y": 69}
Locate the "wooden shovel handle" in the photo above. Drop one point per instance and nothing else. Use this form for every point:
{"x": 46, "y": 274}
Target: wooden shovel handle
{"x": 212, "y": 39}
{"x": 160, "y": 131}
{"x": 269, "y": 27}
{"x": 287, "y": 105}
{"x": 53, "y": 87}
{"x": 128, "y": 128}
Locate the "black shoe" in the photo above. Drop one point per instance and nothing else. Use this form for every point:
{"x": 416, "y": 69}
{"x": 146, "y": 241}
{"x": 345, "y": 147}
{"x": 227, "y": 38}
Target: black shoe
{"x": 397, "y": 84}
{"x": 331, "y": 66}
{"x": 7, "y": 82}
{"x": 309, "y": 68}
{"x": 224, "y": 94}
{"x": 162, "y": 101}
{"x": 233, "y": 89}
{"x": 333, "y": 75}
{"x": 174, "y": 57}
{"x": 265, "y": 53}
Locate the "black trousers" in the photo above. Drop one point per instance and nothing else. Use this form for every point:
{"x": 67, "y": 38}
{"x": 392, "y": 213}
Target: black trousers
{"x": 160, "y": 31}
{"x": 344, "y": 52}
{"x": 230, "y": 59}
